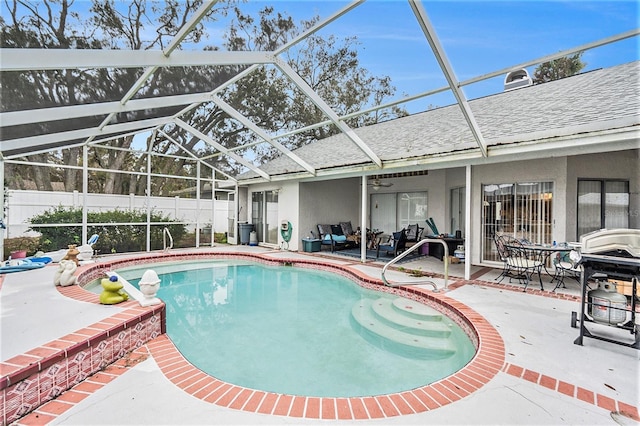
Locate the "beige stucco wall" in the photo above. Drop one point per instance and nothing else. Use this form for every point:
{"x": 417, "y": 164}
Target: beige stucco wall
{"x": 306, "y": 204}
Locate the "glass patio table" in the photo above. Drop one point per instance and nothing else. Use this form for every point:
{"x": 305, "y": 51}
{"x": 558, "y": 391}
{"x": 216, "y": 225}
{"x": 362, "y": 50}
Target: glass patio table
{"x": 540, "y": 252}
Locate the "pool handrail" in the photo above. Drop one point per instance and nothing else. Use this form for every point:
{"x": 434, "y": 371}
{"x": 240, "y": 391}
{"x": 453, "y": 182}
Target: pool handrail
{"x": 411, "y": 249}
{"x": 166, "y": 232}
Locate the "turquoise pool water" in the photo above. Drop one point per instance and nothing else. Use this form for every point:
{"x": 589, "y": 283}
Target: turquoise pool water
{"x": 290, "y": 330}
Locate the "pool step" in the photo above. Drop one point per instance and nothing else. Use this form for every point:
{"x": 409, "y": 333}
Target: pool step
{"x": 411, "y": 317}
{"x": 402, "y": 329}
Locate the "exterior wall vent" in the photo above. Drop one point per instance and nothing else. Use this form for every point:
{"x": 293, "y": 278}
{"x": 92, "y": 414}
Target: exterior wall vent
{"x": 517, "y": 79}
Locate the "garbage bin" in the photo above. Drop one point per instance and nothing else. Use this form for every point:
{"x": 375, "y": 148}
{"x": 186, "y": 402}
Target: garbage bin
{"x": 245, "y": 232}
{"x": 310, "y": 245}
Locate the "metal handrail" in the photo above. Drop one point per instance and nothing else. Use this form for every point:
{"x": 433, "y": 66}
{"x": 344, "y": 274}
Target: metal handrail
{"x": 166, "y": 232}
{"x": 411, "y": 249}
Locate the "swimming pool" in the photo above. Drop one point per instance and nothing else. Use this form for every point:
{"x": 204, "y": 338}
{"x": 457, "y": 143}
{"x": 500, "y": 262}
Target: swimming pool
{"x": 298, "y": 331}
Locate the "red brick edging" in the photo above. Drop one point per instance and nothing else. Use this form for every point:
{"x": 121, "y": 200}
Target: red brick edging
{"x": 488, "y": 361}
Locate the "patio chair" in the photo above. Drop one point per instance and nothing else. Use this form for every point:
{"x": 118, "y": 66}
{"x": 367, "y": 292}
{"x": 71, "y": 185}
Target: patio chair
{"x": 564, "y": 267}
{"x": 504, "y": 254}
{"x": 522, "y": 264}
{"x": 395, "y": 245}
{"x": 414, "y": 234}
{"x": 332, "y": 236}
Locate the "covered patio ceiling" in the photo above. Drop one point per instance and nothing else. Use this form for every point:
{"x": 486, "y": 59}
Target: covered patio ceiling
{"x": 112, "y": 125}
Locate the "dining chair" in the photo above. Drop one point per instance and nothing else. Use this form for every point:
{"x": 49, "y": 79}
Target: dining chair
{"x": 564, "y": 267}
{"x": 523, "y": 264}
{"x": 395, "y": 245}
{"x": 503, "y": 254}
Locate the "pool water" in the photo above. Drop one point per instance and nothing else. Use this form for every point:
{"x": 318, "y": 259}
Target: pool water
{"x": 289, "y": 330}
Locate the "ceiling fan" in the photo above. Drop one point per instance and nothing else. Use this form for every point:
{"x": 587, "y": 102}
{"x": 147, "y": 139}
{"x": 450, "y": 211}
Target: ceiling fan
{"x": 376, "y": 184}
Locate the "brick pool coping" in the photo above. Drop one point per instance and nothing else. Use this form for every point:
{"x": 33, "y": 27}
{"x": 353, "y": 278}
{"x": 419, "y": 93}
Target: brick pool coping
{"x": 486, "y": 364}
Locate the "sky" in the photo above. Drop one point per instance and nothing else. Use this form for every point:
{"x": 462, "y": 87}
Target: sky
{"x": 478, "y": 37}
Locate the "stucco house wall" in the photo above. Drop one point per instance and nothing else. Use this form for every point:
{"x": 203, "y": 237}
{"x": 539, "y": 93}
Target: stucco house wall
{"x": 305, "y": 204}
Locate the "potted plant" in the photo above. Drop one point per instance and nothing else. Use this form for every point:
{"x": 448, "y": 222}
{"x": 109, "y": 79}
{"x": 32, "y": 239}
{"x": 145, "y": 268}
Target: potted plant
{"x": 20, "y": 247}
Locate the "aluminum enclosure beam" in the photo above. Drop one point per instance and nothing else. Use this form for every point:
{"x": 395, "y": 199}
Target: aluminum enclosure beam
{"x": 326, "y": 109}
{"x": 447, "y": 70}
{"x": 197, "y": 133}
{"x": 53, "y": 138}
{"x": 41, "y": 115}
{"x": 262, "y": 134}
{"x": 53, "y": 59}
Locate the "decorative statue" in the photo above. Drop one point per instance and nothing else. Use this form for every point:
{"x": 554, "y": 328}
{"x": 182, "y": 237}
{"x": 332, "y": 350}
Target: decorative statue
{"x": 149, "y": 284}
{"x": 72, "y": 254}
{"x": 112, "y": 292}
{"x": 64, "y": 275}
{"x": 58, "y": 274}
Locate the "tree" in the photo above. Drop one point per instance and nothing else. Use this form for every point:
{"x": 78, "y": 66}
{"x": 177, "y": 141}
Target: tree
{"x": 558, "y": 68}
{"x": 271, "y": 100}
{"x": 266, "y": 96}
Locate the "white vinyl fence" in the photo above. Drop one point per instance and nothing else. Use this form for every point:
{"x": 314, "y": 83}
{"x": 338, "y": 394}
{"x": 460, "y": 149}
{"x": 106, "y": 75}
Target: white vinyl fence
{"x": 21, "y": 206}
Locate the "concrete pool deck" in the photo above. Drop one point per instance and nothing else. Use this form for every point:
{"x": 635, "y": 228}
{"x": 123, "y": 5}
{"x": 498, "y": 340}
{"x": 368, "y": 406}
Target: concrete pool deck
{"x": 544, "y": 377}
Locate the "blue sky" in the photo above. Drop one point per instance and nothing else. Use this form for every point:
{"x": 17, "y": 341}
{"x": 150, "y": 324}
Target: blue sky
{"x": 478, "y": 37}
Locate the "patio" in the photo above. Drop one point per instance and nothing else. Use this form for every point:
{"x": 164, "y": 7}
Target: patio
{"x": 545, "y": 378}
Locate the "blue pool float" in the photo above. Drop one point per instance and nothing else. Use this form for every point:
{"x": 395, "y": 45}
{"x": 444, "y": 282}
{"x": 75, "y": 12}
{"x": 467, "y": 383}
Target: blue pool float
{"x": 18, "y": 265}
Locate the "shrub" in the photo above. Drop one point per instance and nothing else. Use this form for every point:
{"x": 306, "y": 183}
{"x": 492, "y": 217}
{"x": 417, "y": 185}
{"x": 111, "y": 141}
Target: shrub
{"x": 30, "y": 244}
{"x": 112, "y": 238}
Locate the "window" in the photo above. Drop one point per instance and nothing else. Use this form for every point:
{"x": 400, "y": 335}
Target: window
{"x": 412, "y": 208}
{"x": 519, "y": 210}
{"x": 393, "y": 211}
{"x": 458, "y": 210}
{"x": 602, "y": 204}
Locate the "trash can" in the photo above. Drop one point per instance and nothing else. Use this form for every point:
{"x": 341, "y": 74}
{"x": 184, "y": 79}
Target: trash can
{"x": 310, "y": 245}
{"x": 245, "y": 232}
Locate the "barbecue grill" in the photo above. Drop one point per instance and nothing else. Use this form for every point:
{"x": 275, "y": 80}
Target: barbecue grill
{"x": 609, "y": 254}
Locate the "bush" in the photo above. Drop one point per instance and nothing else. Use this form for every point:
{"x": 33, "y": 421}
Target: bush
{"x": 112, "y": 238}
{"x": 30, "y": 244}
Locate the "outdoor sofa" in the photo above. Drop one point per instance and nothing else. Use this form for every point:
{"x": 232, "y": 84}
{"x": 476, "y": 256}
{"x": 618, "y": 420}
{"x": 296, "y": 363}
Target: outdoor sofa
{"x": 339, "y": 236}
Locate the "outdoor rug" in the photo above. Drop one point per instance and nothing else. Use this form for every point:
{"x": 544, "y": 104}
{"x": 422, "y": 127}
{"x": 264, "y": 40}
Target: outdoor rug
{"x": 371, "y": 255}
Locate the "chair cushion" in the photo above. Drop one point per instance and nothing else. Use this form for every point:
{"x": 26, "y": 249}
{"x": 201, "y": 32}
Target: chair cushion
{"x": 347, "y": 229}
{"x": 336, "y": 230}
{"x": 336, "y": 238}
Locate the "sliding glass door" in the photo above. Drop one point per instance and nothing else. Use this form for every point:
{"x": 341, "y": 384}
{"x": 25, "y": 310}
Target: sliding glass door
{"x": 393, "y": 211}
{"x": 264, "y": 216}
{"x": 518, "y": 210}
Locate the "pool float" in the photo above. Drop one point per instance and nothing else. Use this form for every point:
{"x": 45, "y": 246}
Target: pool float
{"x": 18, "y": 265}
{"x": 112, "y": 292}
{"x": 40, "y": 259}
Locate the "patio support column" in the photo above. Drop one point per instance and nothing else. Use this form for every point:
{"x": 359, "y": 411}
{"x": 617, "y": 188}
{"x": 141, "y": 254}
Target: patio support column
{"x": 213, "y": 206}
{"x": 2, "y": 218}
{"x": 197, "y": 204}
{"x": 148, "y": 194}
{"x": 467, "y": 223}
{"x": 85, "y": 191}
{"x": 363, "y": 221}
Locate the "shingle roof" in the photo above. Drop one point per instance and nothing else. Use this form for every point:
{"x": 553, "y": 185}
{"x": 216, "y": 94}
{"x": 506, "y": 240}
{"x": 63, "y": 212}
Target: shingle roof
{"x": 563, "y": 107}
